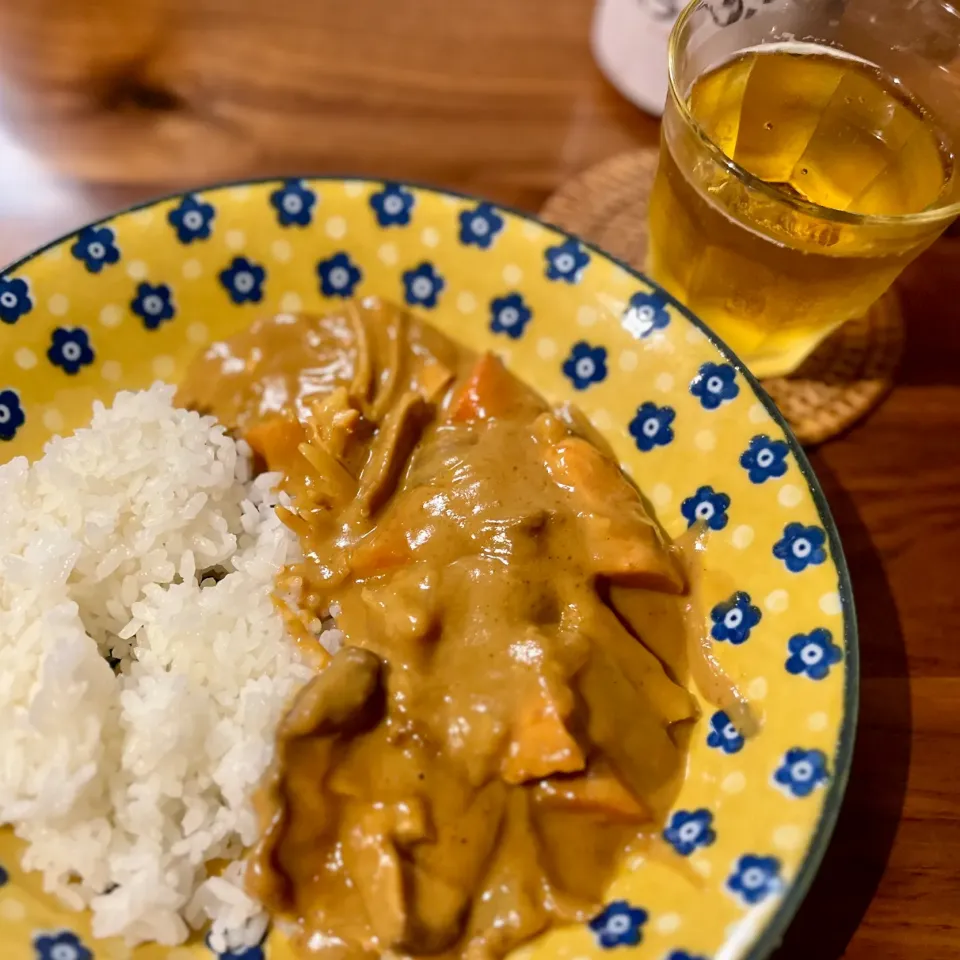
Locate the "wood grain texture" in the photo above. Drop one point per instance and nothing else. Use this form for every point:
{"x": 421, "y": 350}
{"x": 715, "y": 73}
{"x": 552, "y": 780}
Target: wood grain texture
{"x": 107, "y": 102}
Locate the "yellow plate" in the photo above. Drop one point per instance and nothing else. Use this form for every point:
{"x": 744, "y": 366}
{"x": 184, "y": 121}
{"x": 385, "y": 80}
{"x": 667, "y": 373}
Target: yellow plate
{"x": 132, "y": 299}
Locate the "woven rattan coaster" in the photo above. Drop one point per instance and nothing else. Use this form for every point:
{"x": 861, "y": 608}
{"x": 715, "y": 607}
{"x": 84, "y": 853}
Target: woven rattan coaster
{"x": 844, "y": 378}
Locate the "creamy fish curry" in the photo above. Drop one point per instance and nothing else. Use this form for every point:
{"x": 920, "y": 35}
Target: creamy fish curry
{"x": 506, "y": 716}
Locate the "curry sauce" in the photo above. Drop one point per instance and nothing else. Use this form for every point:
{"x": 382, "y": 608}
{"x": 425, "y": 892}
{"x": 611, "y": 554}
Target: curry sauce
{"x": 507, "y": 713}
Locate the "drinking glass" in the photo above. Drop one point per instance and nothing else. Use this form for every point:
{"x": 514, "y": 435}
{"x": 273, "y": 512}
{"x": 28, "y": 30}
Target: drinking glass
{"x": 807, "y": 156}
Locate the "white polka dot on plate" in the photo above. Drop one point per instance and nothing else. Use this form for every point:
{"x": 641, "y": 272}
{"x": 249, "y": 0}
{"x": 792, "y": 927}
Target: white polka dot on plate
{"x": 54, "y": 253}
{"x": 693, "y": 335}
{"x": 733, "y": 782}
{"x": 282, "y": 250}
{"x": 547, "y": 349}
{"x": 241, "y": 193}
{"x": 817, "y": 721}
{"x": 702, "y": 866}
{"x": 628, "y": 361}
{"x": 137, "y": 269}
{"x": 111, "y": 371}
{"x": 163, "y": 366}
{"x": 667, "y": 923}
{"x": 12, "y": 910}
{"x": 111, "y": 315}
{"x": 664, "y": 382}
{"x": 512, "y": 274}
{"x": 235, "y": 239}
{"x": 192, "y": 269}
{"x": 25, "y": 358}
{"x": 660, "y": 343}
{"x": 777, "y": 601}
{"x": 52, "y": 419}
{"x": 336, "y": 227}
{"x": 601, "y": 419}
{"x": 830, "y": 603}
{"x": 789, "y": 495}
{"x": 197, "y": 333}
{"x": 353, "y": 188}
{"x": 758, "y": 413}
{"x": 291, "y": 303}
{"x": 705, "y": 440}
{"x": 742, "y": 536}
{"x": 757, "y": 688}
{"x": 466, "y": 302}
{"x": 430, "y": 237}
{"x": 58, "y": 304}
{"x": 143, "y": 217}
{"x": 587, "y": 316}
{"x": 531, "y": 231}
{"x": 388, "y": 254}
{"x": 661, "y": 495}
{"x": 788, "y": 837}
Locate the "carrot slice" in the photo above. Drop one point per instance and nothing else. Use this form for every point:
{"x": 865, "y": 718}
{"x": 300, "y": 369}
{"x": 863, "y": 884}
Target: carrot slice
{"x": 541, "y": 744}
{"x": 384, "y": 549}
{"x": 277, "y": 439}
{"x": 598, "y": 791}
{"x": 491, "y": 391}
{"x": 622, "y": 539}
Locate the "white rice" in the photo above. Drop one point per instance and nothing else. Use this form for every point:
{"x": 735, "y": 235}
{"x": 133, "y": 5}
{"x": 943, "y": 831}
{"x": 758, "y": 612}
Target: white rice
{"x": 125, "y": 783}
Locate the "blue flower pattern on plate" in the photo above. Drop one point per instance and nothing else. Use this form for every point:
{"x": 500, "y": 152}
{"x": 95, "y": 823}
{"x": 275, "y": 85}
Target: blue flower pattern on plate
{"x": 585, "y": 365}
{"x": 242, "y": 953}
{"x": 619, "y": 925}
{"x": 392, "y": 205}
{"x": 4, "y": 877}
{"x": 96, "y": 247}
{"x": 645, "y": 313}
{"x": 153, "y": 304}
{"x": 706, "y": 506}
{"x": 714, "y": 384}
{"x": 192, "y": 219}
{"x": 15, "y": 299}
{"x": 688, "y": 830}
{"x": 422, "y": 285}
{"x": 734, "y": 619}
{"x": 70, "y": 349}
{"x": 339, "y": 275}
{"x": 812, "y": 654}
{"x": 243, "y": 280}
{"x": 480, "y": 226}
{"x": 62, "y": 945}
{"x": 764, "y": 458}
{"x": 509, "y": 315}
{"x": 12, "y": 416}
{"x": 800, "y": 547}
{"x": 683, "y": 955}
{"x": 566, "y": 261}
{"x": 294, "y": 203}
{"x": 802, "y": 771}
{"x": 650, "y": 426}
{"x": 754, "y": 878}
{"x": 723, "y": 734}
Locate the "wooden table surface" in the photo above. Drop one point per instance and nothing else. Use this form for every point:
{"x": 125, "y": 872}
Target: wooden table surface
{"x": 105, "y": 102}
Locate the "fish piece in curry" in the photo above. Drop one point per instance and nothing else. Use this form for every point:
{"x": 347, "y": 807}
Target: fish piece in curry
{"x": 507, "y": 714}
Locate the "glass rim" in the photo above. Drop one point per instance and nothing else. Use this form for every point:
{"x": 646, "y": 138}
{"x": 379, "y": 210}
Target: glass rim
{"x": 929, "y": 215}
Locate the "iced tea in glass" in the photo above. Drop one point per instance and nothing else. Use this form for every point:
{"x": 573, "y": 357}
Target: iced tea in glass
{"x": 807, "y": 156}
